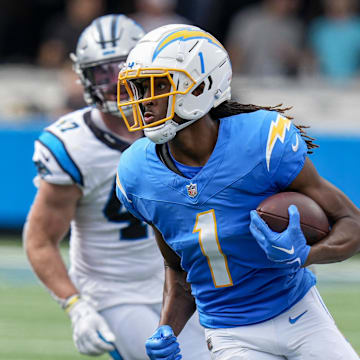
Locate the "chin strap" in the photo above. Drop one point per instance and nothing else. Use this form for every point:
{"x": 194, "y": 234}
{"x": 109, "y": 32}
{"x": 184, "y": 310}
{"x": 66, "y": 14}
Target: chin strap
{"x": 162, "y": 152}
{"x": 165, "y": 132}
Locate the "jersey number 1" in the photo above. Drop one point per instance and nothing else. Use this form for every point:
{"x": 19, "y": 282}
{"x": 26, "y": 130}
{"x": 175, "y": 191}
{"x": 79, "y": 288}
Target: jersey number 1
{"x": 206, "y": 226}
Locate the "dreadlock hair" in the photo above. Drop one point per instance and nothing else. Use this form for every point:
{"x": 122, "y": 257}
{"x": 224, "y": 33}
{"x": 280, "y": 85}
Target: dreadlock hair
{"x": 230, "y": 107}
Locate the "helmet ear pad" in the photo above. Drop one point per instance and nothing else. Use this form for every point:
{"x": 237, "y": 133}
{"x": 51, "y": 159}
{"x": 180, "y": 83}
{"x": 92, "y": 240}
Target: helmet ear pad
{"x": 199, "y": 89}
{"x": 210, "y": 91}
{"x": 192, "y": 105}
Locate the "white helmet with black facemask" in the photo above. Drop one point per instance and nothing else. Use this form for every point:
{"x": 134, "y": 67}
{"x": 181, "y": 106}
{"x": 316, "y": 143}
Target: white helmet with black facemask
{"x": 101, "y": 51}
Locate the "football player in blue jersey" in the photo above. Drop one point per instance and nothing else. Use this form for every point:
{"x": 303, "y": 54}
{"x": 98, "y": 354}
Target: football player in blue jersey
{"x": 113, "y": 289}
{"x": 205, "y": 164}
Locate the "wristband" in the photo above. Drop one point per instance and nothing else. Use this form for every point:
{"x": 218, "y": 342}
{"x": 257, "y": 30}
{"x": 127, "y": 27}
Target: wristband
{"x": 70, "y": 302}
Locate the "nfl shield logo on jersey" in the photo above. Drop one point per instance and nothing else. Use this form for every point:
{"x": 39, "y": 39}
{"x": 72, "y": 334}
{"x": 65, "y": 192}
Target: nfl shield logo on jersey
{"x": 192, "y": 190}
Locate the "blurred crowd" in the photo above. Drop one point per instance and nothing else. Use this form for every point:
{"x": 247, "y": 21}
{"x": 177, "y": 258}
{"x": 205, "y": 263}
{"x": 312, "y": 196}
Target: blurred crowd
{"x": 264, "y": 38}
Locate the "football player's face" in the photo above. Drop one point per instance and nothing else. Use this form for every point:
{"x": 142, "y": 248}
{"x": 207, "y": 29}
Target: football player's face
{"x": 155, "y": 109}
{"x": 104, "y": 77}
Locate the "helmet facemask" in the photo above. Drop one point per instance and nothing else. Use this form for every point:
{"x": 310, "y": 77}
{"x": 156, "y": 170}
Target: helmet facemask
{"x": 132, "y": 82}
{"x": 100, "y": 85}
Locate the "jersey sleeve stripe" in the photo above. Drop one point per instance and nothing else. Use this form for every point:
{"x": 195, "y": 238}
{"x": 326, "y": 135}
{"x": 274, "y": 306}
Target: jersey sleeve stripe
{"x": 120, "y": 187}
{"x": 61, "y": 155}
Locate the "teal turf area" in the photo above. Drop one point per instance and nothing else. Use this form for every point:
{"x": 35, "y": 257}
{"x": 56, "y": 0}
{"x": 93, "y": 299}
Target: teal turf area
{"x": 32, "y": 326}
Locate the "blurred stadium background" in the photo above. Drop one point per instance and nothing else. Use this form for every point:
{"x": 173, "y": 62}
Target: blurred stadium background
{"x": 37, "y": 86}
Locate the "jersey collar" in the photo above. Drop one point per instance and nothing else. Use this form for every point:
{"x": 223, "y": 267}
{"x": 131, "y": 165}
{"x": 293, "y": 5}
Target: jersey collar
{"x": 104, "y": 136}
{"x": 203, "y": 177}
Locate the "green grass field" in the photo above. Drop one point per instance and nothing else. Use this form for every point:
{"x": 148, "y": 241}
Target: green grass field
{"x": 32, "y": 326}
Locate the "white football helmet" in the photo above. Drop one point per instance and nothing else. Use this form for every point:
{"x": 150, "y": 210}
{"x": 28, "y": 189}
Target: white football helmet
{"x": 101, "y": 51}
{"x": 186, "y": 56}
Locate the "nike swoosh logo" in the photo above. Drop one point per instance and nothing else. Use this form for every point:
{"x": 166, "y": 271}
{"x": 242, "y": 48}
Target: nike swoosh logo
{"x": 295, "y": 146}
{"x": 295, "y": 319}
{"x": 288, "y": 251}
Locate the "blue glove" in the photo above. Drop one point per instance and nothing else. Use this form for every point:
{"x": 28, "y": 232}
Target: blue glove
{"x": 162, "y": 345}
{"x": 287, "y": 247}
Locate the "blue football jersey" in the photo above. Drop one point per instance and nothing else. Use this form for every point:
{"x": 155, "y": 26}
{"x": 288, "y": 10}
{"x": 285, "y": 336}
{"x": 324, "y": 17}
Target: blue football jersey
{"x": 205, "y": 220}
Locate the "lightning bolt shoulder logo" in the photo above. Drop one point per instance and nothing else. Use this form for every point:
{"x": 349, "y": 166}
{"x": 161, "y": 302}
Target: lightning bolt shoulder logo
{"x": 277, "y": 131}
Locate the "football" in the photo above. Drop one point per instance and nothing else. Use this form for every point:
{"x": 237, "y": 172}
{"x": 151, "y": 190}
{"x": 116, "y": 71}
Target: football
{"x": 313, "y": 220}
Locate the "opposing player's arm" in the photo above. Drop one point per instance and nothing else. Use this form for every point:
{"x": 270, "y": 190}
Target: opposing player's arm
{"x": 344, "y": 239}
{"x": 178, "y": 303}
{"x": 48, "y": 222}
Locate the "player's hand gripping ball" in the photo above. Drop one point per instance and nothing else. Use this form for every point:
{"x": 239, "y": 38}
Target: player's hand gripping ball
{"x": 285, "y": 235}
{"x": 313, "y": 220}
{"x": 163, "y": 345}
